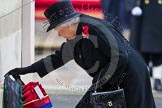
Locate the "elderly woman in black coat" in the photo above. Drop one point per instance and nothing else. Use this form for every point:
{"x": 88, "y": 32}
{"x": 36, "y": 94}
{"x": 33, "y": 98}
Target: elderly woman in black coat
{"x": 95, "y": 45}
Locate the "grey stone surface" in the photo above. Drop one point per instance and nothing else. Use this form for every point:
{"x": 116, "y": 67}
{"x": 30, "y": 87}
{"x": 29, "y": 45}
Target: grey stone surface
{"x": 69, "y": 101}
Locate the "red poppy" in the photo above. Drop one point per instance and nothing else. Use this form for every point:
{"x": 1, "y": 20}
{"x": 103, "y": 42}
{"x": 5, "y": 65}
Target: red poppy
{"x": 85, "y": 31}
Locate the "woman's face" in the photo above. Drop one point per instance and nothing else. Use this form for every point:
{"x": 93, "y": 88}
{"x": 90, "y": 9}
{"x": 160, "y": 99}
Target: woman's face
{"x": 67, "y": 31}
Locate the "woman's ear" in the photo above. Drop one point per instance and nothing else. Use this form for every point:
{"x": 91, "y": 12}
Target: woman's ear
{"x": 70, "y": 26}
{"x": 73, "y": 26}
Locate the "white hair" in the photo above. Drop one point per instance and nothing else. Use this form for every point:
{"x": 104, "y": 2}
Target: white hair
{"x": 72, "y": 21}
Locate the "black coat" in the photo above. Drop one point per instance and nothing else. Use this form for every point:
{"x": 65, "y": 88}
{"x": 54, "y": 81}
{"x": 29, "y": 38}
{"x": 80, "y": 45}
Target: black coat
{"x": 147, "y": 29}
{"x": 104, "y": 49}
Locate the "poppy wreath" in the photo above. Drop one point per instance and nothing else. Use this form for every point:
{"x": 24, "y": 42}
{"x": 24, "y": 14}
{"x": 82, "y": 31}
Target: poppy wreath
{"x": 31, "y": 98}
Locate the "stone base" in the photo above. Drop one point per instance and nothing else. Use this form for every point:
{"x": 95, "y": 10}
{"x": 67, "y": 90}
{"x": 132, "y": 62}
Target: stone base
{"x": 1, "y": 97}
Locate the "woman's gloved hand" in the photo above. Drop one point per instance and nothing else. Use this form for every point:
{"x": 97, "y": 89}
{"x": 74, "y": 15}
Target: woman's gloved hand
{"x": 21, "y": 71}
{"x": 136, "y": 11}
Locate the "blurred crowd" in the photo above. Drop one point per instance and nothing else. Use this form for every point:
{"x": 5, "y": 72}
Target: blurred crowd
{"x": 143, "y": 19}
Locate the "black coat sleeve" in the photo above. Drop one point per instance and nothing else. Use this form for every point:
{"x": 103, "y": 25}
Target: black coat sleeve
{"x": 49, "y": 63}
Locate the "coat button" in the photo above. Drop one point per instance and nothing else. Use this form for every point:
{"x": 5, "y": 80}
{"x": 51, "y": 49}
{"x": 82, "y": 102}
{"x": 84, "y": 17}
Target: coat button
{"x": 160, "y": 2}
{"x": 110, "y": 103}
{"x": 147, "y": 1}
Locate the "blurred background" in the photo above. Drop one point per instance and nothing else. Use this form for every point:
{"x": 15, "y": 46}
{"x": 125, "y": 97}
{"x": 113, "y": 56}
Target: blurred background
{"x": 24, "y": 40}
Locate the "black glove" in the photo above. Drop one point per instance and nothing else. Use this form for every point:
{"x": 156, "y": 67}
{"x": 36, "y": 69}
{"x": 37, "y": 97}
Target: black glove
{"x": 21, "y": 71}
